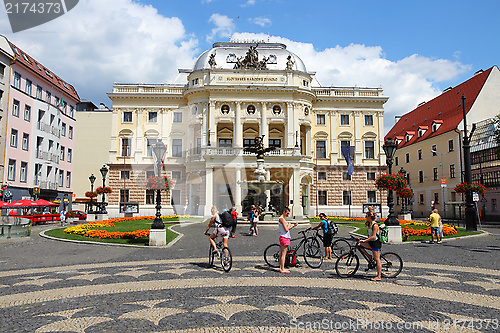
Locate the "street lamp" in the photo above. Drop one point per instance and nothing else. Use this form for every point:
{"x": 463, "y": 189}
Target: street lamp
{"x": 159, "y": 150}
{"x": 404, "y": 202}
{"x": 104, "y": 172}
{"x": 92, "y": 180}
{"x": 390, "y": 148}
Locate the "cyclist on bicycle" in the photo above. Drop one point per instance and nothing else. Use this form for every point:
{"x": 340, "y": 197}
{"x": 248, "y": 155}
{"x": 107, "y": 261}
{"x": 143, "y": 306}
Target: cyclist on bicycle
{"x": 327, "y": 235}
{"x": 372, "y": 243}
{"x": 219, "y": 231}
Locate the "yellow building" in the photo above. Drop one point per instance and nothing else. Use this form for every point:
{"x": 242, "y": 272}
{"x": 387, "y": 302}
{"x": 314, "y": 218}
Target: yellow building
{"x": 234, "y": 93}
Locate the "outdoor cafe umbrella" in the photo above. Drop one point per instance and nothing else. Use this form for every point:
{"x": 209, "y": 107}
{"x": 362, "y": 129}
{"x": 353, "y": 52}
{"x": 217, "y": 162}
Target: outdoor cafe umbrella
{"x": 4, "y": 204}
{"x": 23, "y": 203}
{"x": 43, "y": 202}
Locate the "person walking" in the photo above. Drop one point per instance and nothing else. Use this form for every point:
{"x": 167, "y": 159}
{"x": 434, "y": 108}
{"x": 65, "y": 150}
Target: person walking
{"x": 327, "y": 235}
{"x": 250, "y": 218}
{"x": 62, "y": 216}
{"x": 284, "y": 228}
{"x": 234, "y": 216}
{"x": 434, "y": 219}
{"x": 256, "y": 217}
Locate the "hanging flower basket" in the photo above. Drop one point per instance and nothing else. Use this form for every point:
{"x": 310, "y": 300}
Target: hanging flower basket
{"x": 390, "y": 182}
{"x": 103, "y": 189}
{"x": 405, "y": 193}
{"x": 90, "y": 194}
{"x": 159, "y": 183}
{"x": 464, "y": 187}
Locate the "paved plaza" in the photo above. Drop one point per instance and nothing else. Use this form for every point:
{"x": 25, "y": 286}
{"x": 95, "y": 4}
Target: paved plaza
{"x": 53, "y": 286}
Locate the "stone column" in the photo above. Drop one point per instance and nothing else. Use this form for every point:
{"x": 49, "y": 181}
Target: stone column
{"x": 289, "y": 126}
{"x": 238, "y": 128}
{"x": 296, "y": 194}
{"x": 209, "y": 191}
{"x": 264, "y": 125}
{"x": 309, "y": 142}
{"x": 138, "y": 136}
{"x": 333, "y": 138}
{"x": 212, "y": 125}
{"x": 237, "y": 194}
{"x": 357, "y": 138}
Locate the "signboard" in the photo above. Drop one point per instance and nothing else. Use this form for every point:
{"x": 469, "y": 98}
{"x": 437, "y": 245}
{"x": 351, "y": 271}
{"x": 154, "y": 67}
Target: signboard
{"x": 129, "y": 207}
{"x": 443, "y": 183}
{"x": 475, "y": 196}
{"x": 377, "y": 206}
{"x": 36, "y": 190}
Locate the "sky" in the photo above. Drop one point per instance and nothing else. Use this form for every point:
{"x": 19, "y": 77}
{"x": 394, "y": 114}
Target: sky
{"x": 412, "y": 49}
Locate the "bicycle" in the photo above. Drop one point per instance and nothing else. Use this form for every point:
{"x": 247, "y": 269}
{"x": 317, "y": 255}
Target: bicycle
{"x": 223, "y": 253}
{"x": 348, "y": 264}
{"x": 312, "y": 253}
{"x": 339, "y": 245}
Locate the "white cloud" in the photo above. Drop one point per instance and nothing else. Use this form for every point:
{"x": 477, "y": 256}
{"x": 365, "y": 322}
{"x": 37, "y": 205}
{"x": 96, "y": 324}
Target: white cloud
{"x": 406, "y": 82}
{"x": 249, "y": 3}
{"x": 262, "y": 21}
{"x": 224, "y": 27}
{"x": 101, "y": 42}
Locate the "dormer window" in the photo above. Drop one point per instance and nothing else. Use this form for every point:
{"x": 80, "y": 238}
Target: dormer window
{"x": 409, "y": 135}
{"x": 436, "y": 124}
{"x": 422, "y": 130}
{"x": 398, "y": 140}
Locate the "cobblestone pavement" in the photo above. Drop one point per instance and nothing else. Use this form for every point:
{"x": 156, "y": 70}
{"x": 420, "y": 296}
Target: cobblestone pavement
{"x": 51, "y": 286}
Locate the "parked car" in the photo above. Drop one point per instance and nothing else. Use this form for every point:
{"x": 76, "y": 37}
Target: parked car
{"x": 77, "y": 214}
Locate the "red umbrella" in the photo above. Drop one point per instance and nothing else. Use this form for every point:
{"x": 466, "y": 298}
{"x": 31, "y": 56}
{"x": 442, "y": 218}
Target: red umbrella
{"x": 43, "y": 202}
{"x": 4, "y": 204}
{"x": 23, "y": 203}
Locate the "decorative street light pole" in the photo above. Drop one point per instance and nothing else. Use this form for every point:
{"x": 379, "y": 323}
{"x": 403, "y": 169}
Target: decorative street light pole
{"x": 92, "y": 180}
{"x": 104, "y": 172}
{"x": 390, "y": 150}
{"x": 404, "y": 201}
{"x": 159, "y": 150}
{"x": 470, "y": 209}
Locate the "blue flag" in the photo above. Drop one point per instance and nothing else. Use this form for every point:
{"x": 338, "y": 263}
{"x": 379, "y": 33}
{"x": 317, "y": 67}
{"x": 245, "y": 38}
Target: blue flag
{"x": 348, "y": 153}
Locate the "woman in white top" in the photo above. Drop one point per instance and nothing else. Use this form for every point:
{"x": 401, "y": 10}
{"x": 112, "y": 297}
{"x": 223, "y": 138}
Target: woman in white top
{"x": 284, "y": 238}
{"x": 219, "y": 231}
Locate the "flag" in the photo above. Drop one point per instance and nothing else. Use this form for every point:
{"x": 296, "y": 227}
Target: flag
{"x": 348, "y": 153}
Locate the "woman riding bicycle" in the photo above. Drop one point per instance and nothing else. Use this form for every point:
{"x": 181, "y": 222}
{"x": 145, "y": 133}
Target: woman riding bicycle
{"x": 219, "y": 231}
{"x": 372, "y": 243}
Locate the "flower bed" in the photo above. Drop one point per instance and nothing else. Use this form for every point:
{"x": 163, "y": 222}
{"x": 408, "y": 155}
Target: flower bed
{"x": 123, "y": 235}
{"x": 424, "y": 229}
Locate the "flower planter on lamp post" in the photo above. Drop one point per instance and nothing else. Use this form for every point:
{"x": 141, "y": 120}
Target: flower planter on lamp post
{"x": 92, "y": 180}
{"x": 104, "y": 172}
{"x": 158, "y": 234}
{"x": 392, "y": 222}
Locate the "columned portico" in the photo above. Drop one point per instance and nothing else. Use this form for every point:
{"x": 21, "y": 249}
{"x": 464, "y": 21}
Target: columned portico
{"x": 209, "y": 190}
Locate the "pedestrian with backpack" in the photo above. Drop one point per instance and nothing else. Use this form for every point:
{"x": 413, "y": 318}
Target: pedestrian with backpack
{"x": 220, "y": 229}
{"x": 328, "y": 233}
{"x": 372, "y": 243}
{"x": 285, "y": 228}
{"x": 234, "y": 216}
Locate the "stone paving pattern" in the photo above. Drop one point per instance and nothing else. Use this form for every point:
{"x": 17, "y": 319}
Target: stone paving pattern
{"x": 52, "y": 286}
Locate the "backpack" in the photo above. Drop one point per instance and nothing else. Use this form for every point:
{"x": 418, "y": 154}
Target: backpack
{"x": 226, "y": 218}
{"x": 291, "y": 259}
{"x": 383, "y": 234}
{"x": 332, "y": 227}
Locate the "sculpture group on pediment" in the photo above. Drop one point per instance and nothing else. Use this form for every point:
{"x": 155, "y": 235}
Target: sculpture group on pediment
{"x": 251, "y": 60}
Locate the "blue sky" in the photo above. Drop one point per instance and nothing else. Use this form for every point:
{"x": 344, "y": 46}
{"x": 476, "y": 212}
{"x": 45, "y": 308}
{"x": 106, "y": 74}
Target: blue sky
{"x": 412, "y": 49}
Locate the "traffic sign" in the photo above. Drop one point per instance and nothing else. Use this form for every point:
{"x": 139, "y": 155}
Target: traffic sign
{"x": 475, "y": 196}
{"x": 443, "y": 183}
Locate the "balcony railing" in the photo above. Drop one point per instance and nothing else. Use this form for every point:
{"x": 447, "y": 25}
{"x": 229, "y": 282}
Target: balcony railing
{"x": 231, "y": 151}
{"x": 48, "y": 185}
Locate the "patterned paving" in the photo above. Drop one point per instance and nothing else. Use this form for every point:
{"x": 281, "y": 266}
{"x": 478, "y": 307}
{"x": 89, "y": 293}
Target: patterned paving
{"x": 184, "y": 295}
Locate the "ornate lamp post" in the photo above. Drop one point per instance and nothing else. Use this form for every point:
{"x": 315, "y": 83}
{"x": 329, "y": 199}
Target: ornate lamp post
{"x": 92, "y": 180}
{"x": 104, "y": 172}
{"x": 390, "y": 150}
{"x": 404, "y": 201}
{"x": 159, "y": 150}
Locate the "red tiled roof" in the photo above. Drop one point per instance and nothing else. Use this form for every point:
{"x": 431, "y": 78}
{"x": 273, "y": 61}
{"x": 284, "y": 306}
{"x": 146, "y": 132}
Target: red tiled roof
{"x": 445, "y": 109}
{"x": 43, "y": 72}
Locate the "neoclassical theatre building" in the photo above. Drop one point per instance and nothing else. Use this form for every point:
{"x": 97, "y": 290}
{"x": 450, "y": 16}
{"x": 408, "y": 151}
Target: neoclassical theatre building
{"x": 235, "y": 92}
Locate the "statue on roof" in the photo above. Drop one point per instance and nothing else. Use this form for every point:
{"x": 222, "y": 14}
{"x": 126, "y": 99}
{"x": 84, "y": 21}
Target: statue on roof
{"x": 251, "y": 60}
{"x": 211, "y": 61}
{"x": 289, "y": 63}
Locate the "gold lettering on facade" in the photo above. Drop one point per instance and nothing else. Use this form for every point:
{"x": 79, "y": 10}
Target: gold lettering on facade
{"x": 251, "y": 79}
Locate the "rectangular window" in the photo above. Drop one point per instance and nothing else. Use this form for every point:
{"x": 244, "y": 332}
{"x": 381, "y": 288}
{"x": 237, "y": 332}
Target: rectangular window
{"x": 124, "y": 195}
{"x": 320, "y": 119}
{"x": 126, "y": 147}
{"x": 48, "y": 97}
{"x": 420, "y": 154}
{"x": 322, "y": 198}
{"x": 17, "y": 80}
{"x": 435, "y": 175}
{"x": 177, "y": 117}
{"x": 28, "y": 87}
{"x": 453, "y": 196}
{"x": 39, "y": 92}
{"x": 227, "y": 143}
{"x": 150, "y": 197}
{"x": 68, "y": 179}
{"x": 150, "y": 173}
{"x": 153, "y": 117}
{"x": 493, "y": 204}
{"x": 452, "y": 170}
{"x": 125, "y": 174}
{"x": 421, "y": 200}
{"x": 396, "y": 160}
{"x": 436, "y": 198}
{"x": 344, "y": 119}
{"x": 56, "y": 101}
{"x": 27, "y": 112}
{"x": 450, "y": 145}
{"x": 407, "y": 156}
{"x": 275, "y": 143}
{"x": 370, "y": 176}
{"x": 321, "y": 175}
{"x": 63, "y": 149}
{"x": 369, "y": 149}
{"x": 11, "y": 173}
{"x": 368, "y": 120}
{"x": 26, "y": 141}
{"x": 70, "y": 154}
{"x": 71, "y": 111}
{"x": 149, "y": 146}
{"x": 346, "y": 176}
{"x": 320, "y": 149}
{"x": 248, "y": 142}
{"x": 63, "y": 129}
{"x": 177, "y": 175}
{"x": 127, "y": 117}
{"x": 198, "y": 146}
{"x": 420, "y": 176}
{"x": 61, "y": 178}
{"x": 434, "y": 150}
{"x": 177, "y": 147}
{"x": 176, "y": 197}
{"x": 371, "y": 196}
{"x": 346, "y": 198}
{"x": 24, "y": 172}
{"x": 13, "y": 138}
{"x": 70, "y": 132}
{"x": 15, "y": 108}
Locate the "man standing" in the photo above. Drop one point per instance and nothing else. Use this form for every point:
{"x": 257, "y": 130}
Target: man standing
{"x": 62, "y": 216}
{"x": 434, "y": 219}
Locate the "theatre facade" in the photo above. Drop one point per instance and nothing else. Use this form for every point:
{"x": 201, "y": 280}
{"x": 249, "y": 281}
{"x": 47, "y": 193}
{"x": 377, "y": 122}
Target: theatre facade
{"x": 235, "y": 92}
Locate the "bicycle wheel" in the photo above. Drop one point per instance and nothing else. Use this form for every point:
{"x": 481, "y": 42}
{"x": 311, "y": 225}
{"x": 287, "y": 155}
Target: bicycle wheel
{"x": 391, "y": 264}
{"x": 347, "y": 265}
{"x": 272, "y": 255}
{"x": 211, "y": 256}
{"x": 340, "y": 246}
{"x": 312, "y": 241}
{"x": 226, "y": 259}
{"x": 313, "y": 256}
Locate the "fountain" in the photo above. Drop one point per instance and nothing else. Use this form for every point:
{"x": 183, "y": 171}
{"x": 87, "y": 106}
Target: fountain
{"x": 262, "y": 183}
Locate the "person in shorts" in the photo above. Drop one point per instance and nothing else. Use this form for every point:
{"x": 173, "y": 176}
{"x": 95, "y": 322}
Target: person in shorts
{"x": 327, "y": 235}
{"x": 434, "y": 219}
{"x": 219, "y": 231}
{"x": 284, "y": 228}
{"x": 372, "y": 243}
